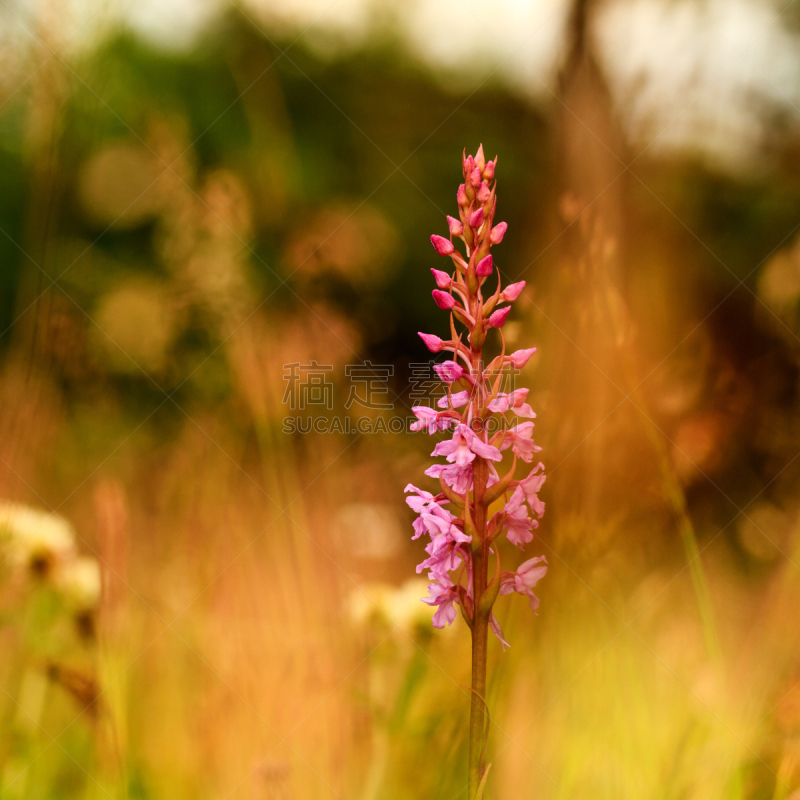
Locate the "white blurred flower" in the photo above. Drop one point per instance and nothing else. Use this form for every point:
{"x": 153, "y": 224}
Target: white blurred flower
{"x": 36, "y": 540}
{"x": 366, "y": 604}
{"x": 79, "y": 582}
{"x": 397, "y": 606}
{"x": 405, "y": 607}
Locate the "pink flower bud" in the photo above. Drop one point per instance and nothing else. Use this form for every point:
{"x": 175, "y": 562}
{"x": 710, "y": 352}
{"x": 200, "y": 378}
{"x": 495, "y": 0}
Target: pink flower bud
{"x": 488, "y": 171}
{"x": 483, "y": 268}
{"x": 519, "y": 358}
{"x": 443, "y": 300}
{"x": 512, "y": 292}
{"x": 484, "y": 193}
{"x": 499, "y": 317}
{"x": 476, "y": 218}
{"x": 461, "y": 196}
{"x": 443, "y": 280}
{"x": 498, "y": 232}
{"x": 449, "y": 371}
{"x": 469, "y": 165}
{"x": 480, "y": 159}
{"x": 475, "y": 178}
{"x": 433, "y": 343}
{"x": 456, "y": 228}
{"x": 442, "y": 246}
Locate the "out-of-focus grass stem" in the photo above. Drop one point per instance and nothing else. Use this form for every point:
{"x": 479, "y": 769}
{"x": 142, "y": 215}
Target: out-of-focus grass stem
{"x": 671, "y": 488}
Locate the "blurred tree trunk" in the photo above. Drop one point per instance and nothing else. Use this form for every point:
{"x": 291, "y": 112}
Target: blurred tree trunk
{"x": 590, "y": 182}
{"x": 591, "y": 149}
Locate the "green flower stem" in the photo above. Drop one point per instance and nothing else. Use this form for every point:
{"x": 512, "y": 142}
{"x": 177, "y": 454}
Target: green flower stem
{"x": 480, "y": 630}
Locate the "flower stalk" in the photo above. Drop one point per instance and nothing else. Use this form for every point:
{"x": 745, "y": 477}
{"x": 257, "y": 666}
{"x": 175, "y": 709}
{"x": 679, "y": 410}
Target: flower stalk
{"x": 476, "y": 504}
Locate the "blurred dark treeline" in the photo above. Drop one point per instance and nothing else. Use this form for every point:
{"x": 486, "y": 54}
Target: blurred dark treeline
{"x": 335, "y": 171}
{"x": 369, "y": 128}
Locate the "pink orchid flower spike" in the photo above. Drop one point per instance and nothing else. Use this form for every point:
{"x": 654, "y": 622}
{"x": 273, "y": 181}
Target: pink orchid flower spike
{"x": 483, "y": 426}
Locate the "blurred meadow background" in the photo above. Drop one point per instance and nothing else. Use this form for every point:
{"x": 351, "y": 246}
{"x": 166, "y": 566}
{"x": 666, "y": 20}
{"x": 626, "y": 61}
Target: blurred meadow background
{"x": 196, "y": 195}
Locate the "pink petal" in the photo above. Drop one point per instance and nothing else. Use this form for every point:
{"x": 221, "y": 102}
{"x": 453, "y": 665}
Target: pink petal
{"x": 449, "y": 371}
{"x": 523, "y": 431}
{"x": 531, "y": 572}
{"x": 484, "y": 450}
{"x": 446, "y": 448}
{"x": 462, "y": 456}
{"x": 456, "y": 400}
{"x": 500, "y": 404}
{"x": 519, "y": 535}
{"x": 445, "y": 615}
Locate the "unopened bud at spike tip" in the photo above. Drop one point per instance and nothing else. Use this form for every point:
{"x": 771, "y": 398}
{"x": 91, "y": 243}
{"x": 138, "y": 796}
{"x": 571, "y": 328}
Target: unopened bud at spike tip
{"x": 469, "y": 165}
{"x": 480, "y": 159}
{"x": 499, "y": 317}
{"x": 498, "y": 232}
{"x": 461, "y": 196}
{"x": 433, "y": 343}
{"x": 476, "y": 218}
{"x": 443, "y": 300}
{"x": 512, "y": 292}
{"x": 483, "y": 269}
{"x": 443, "y": 280}
{"x": 444, "y": 247}
{"x": 475, "y": 178}
{"x": 456, "y": 228}
{"x": 488, "y": 171}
